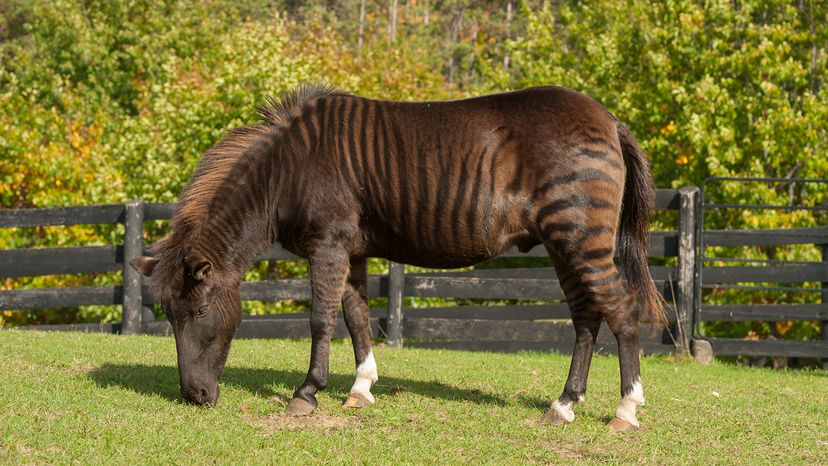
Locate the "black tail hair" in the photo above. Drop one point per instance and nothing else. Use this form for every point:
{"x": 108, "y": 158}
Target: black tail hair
{"x": 639, "y": 198}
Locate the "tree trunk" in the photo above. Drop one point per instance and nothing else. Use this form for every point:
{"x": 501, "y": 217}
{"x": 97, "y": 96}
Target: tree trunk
{"x": 814, "y": 85}
{"x": 361, "y": 28}
{"x": 506, "y": 56}
{"x": 472, "y": 55}
{"x": 392, "y": 22}
{"x": 453, "y": 38}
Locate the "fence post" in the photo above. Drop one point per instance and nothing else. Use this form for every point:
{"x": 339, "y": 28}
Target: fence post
{"x": 396, "y": 285}
{"x": 688, "y": 198}
{"x": 133, "y": 247}
{"x": 824, "y": 324}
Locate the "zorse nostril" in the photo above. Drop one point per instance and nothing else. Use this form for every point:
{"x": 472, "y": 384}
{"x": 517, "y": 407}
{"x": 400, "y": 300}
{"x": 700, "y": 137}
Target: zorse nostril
{"x": 200, "y": 392}
{"x": 196, "y": 395}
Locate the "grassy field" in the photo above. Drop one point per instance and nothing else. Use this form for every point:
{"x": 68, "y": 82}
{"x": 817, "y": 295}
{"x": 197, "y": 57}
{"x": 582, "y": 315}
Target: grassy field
{"x": 113, "y": 399}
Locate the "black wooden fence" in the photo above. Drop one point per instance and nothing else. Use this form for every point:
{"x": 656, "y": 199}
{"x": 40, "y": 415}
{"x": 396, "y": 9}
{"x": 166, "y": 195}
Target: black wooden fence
{"x": 542, "y": 326}
{"x": 756, "y": 278}
{"x": 536, "y": 317}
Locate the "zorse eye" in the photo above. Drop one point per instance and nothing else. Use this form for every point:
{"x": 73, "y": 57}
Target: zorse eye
{"x": 201, "y": 312}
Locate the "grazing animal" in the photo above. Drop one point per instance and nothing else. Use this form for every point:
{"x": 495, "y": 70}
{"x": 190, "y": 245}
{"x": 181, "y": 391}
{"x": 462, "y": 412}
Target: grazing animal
{"x": 337, "y": 178}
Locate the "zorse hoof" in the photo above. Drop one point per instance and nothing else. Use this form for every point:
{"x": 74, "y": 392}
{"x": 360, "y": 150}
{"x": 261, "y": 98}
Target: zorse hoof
{"x": 553, "y": 417}
{"x": 617, "y": 425}
{"x": 300, "y": 407}
{"x": 355, "y": 400}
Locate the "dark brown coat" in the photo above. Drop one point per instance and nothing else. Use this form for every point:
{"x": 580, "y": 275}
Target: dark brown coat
{"x": 337, "y": 178}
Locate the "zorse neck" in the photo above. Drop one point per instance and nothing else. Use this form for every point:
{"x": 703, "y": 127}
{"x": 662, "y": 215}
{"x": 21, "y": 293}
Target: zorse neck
{"x": 238, "y": 224}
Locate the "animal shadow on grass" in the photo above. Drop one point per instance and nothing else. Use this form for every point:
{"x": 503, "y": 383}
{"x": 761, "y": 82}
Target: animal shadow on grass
{"x": 163, "y": 381}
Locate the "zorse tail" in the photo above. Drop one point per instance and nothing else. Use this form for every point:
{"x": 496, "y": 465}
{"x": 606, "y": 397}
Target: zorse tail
{"x": 639, "y": 198}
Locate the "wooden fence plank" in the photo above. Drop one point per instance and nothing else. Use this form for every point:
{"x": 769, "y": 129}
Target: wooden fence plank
{"x": 766, "y": 274}
{"x": 41, "y": 298}
{"x": 465, "y": 287}
{"x": 293, "y": 329}
{"x": 540, "y": 273}
{"x": 667, "y": 199}
{"x": 510, "y": 312}
{"x": 270, "y": 328}
{"x": 485, "y": 330}
{"x": 158, "y": 210}
{"x": 305, "y": 315}
{"x": 789, "y": 348}
{"x": 34, "y": 262}
{"x": 511, "y": 346}
{"x": 660, "y": 244}
{"x": 764, "y": 312}
{"x": 778, "y": 237}
{"x": 271, "y": 290}
{"x": 504, "y": 330}
{"x": 482, "y": 288}
{"x": 94, "y": 214}
{"x": 499, "y": 346}
{"x": 292, "y": 288}
{"x": 84, "y": 328}
{"x": 161, "y": 328}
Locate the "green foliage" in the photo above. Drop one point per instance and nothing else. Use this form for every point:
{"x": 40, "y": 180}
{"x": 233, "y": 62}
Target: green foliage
{"x": 108, "y": 101}
{"x": 104, "y": 102}
{"x": 713, "y": 89}
{"x": 710, "y": 89}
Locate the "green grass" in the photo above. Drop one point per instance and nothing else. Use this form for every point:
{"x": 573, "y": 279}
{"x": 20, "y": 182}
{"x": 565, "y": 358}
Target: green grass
{"x": 114, "y": 399}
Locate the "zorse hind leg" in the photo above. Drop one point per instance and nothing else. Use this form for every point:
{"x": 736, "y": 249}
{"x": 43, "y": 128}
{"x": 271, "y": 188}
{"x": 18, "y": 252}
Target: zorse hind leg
{"x": 329, "y": 270}
{"x": 600, "y": 292}
{"x": 594, "y": 289}
{"x": 587, "y": 322}
{"x": 587, "y": 325}
{"x": 357, "y": 318}
{"x": 624, "y": 326}
{"x": 583, "y": 256}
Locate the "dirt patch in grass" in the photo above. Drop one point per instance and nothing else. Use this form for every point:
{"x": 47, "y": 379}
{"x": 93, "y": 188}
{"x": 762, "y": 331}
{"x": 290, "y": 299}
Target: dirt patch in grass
{"x": 565, "y": 451}
{"x": 554, "y": 446}
{"x": 83, "y": 368}
{"x": 44, "y": 415}
{"x": 316, "y": 422}
{"x": 282, "y": 421}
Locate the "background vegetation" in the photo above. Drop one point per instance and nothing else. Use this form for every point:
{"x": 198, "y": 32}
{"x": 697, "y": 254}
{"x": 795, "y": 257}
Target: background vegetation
{"x": 108, "y": 101}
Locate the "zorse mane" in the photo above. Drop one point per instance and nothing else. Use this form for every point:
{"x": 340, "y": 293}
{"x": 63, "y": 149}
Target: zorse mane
{"x": 282, "y": 111}
{"x": 217, "y": 167}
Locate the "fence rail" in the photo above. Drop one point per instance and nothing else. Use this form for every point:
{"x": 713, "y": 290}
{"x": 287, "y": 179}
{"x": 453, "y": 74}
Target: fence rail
{"x": 757, "y": 278}
{"x": 535, "y": 316}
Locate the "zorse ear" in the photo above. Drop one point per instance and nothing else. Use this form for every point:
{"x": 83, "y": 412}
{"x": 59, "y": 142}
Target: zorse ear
{"x": 199, "y": 266}
{"x": 144, "y": 265}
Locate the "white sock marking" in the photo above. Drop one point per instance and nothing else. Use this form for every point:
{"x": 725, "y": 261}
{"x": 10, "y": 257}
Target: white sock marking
{"x": 564, "y": 409}
{"x": 629, "y": 403}
{"x": 366, "y": 375}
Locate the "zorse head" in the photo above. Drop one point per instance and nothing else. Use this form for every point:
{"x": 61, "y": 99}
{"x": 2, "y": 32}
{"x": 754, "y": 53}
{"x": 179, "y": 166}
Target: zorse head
{"x": 204, "y": 311}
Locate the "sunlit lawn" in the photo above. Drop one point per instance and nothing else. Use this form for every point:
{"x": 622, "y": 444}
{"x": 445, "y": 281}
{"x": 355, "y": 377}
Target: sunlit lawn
{"x": 114, "y": 399}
